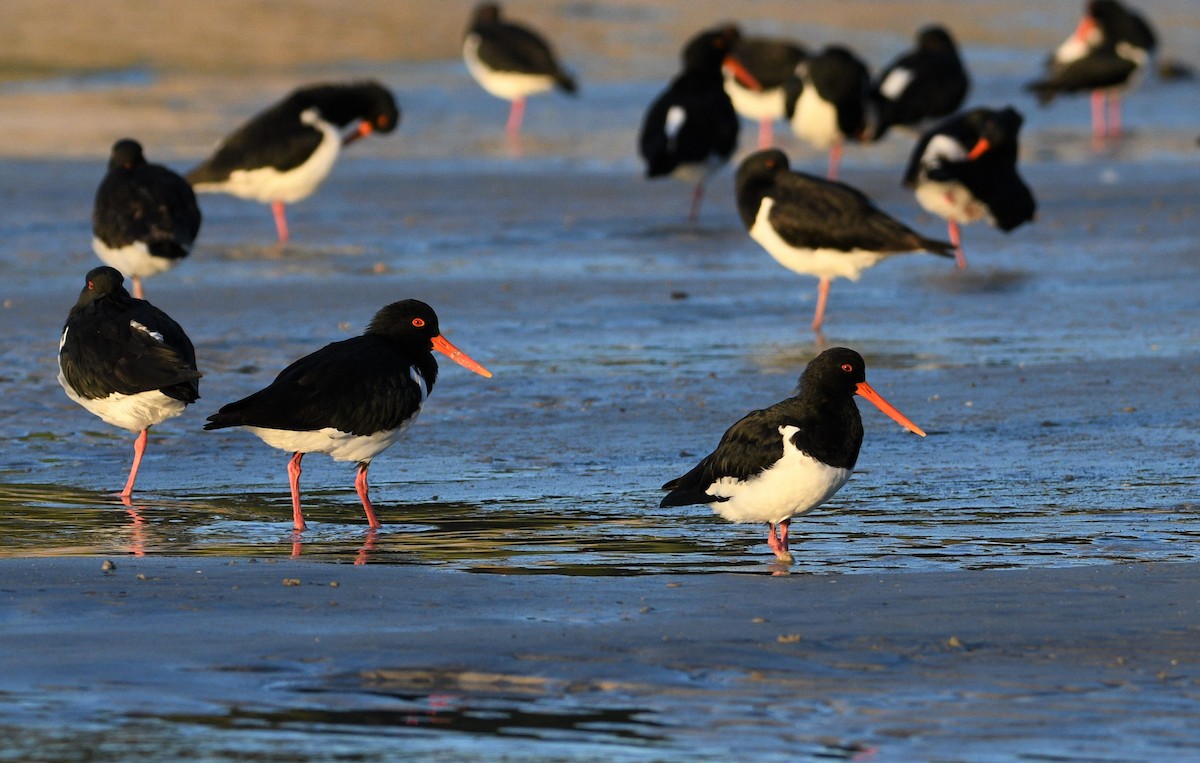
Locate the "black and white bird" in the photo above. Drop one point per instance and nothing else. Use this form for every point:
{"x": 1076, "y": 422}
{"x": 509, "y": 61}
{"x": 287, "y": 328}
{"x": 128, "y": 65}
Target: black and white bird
{"x": 1105, "y": 55}
{"x": 819, "y": 227}
{"x": 771, "y": 62}
{"x": 284, "y": 153}
{"x": 351, "y": 399}
{"x": 145, "y": 218}
{"x": 827, "y": 101}
{"x": 786, "y": 460}
{"x": 691, "y": 129}
{"x": 511, "y": 61}
{"x": 964, "y": 169}
{"x": 125, "y": 360}
{"x": 924, "y": 84}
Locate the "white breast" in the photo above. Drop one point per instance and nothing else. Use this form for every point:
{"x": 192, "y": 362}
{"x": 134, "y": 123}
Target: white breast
{"x": 815, "y": 120}
{"x": 822, "y": 263}
{"x": 507, "y": 85}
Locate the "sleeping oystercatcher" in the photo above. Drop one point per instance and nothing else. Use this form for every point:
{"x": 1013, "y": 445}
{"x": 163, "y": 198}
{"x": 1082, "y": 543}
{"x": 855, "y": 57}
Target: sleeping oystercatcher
{"x": 771, "y": 62}
{"x": 511, "y": 61}
{"x": 1105, "y": 54}
{"x": 351, "y": 399}
{"x": 965, "y": 169}
{"x": 788, "y": 459}
{"x": 281, "y": 155}
{"x": 923, "y": 84}
{"x": 145, "y": 218}
{"x": 691, "y": 129}
{"x": 827, "y": 101}
{"x": 125, "y": 360}
{"x": 819, "y": 227}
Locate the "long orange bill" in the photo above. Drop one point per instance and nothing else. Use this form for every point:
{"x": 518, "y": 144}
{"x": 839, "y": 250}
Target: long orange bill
{"x": 363, "y": 130}
{"x": 865, "y": 390}
{"x": 741, "y": 73}
{"x": 458, "y": 356}
{"x": 1084, "y": 30}
{"x": 979, "y": 150}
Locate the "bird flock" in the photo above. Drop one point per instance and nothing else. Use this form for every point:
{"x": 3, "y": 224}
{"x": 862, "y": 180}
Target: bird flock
{"x": 130, "y": 364}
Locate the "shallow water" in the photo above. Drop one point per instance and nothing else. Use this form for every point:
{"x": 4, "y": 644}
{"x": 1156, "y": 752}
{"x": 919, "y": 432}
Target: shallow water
{"x": 1056, "y": 378}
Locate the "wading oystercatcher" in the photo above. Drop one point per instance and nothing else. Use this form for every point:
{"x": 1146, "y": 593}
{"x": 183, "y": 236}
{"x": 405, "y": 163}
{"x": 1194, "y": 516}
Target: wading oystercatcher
{"x": 125, "y": 360}
{"x": 352, "y": 399}
{"x": 145, "y": 218}
{"x": 926, "y": 83}
{"x": 1105, "y": 55}
{"x": 691, "y": 129}
{"x": 281, "y": 155}
{"x": 819, "y": 227}
{"x": 965, "y": 169}
{"x": 788, "y": 459}
{"x": 827, "y": 101}
{"x": 511, "y": 61}
{"x": 771, "y": 62}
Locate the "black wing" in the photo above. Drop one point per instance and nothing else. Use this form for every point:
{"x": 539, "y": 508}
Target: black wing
{"x": 514, "y": 48}
{"x": 276, "y": 138}
{"x": 747, "y": 448}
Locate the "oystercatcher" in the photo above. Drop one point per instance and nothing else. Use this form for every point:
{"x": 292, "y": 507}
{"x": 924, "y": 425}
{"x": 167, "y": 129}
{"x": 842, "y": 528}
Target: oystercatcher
{"x": 511, "y": 61}
{"x": 351, "y": 399}
{"x": 281, "y": 155}
{"x": 125, "y": 360}
{"x": 145, "y": 218}
{"x": 1105, "y": 54}
{"x": 788, "y": 459}
{"x": 819, "y": 227}
{"x": 926, "y": 83}
{"x": 827, "y": 101}
{"x": 691, "y": 129}
{"x": 771, "y": 62}
{"x": 965, "y": 169}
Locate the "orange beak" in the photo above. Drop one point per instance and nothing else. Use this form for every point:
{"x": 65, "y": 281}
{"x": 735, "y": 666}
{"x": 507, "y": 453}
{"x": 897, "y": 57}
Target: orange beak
{"x": 1084, "y": 30}
{"x": 363, "y": 130}
{"x": 980, "y": 149}
{"x": 741, "y": 73}
{"x": 865, "y": 390}
{"x": 458, "y": 356}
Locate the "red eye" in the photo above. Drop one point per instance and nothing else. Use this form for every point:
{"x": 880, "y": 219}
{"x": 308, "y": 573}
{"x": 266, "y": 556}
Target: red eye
{"x": 419, "y": 322}
{"x": 847, "y": 367}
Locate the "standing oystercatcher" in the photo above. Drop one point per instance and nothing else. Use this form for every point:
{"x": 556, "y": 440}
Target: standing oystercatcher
{"x": 965, "y": 169}
{"x": 351, "y": 399}
{"x": 125, "y": 360}
{"x": 145, "y": 218}
{"x": 691, "y": 129}
{"x": 511, "y": 61}
{"x": 771, "y": 62}
{"x": 819, "y": 227}
{"x": 281, "y": 155}
{"x": 923, "y": 84}
{"x": 1105, "y": 54}
{"x": 827, "y": 101}
{"x": 788, "y": 459}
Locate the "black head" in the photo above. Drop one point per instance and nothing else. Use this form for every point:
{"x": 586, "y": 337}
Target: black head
{"x": 708, "y": 50}
{"x": 103, "y": 281}
{"x": 126, "y": 154}
{"x": 486, "y": 13}
{"x": 935, "y": 39}
{"x": 409, "y": 320}
{"x": 998, "y": 127}
{"x": 342, "y": 104}
{"x": 838, "y": 371}
{"x": 762, "y": 165}
{"x": 1122, "y": 24}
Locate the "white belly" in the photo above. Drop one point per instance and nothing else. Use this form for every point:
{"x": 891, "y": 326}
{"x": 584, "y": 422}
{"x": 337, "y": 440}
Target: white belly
{"x": 133, "y": 412}
{"x": 339, "y": 445}
{"x": 268, "y": 184}
{"x": 796, "y": 484}
{"x": 822, "y": 263}
{"x": 132, "y": 260}
{"x": 950, "y": 201}
{"x": 507, "y": 85}
{"x": 815, "y": 120}
{"x": 755, "y": 104}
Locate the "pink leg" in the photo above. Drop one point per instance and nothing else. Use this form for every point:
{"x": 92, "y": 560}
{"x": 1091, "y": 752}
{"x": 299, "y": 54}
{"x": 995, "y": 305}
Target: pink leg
{"x": 1114, "y": 115}
{"x": 280, "y": 221}
{"x": 956, "y": 239}
{"x": 139, "y": 448}
{"x": 822, "y": 299}
{"x": 294, "y": 481}
{"x": 1098, "y": 128}
{"x": 766, "y": 134}
{"x": 697, "y": 195}
{"x": 137, "y": 287}
{"x": 835, "y": 160}
{"x": 360, "y": 484}
{"x": 515, "y": 115}
{"x": 783, "y": 536}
